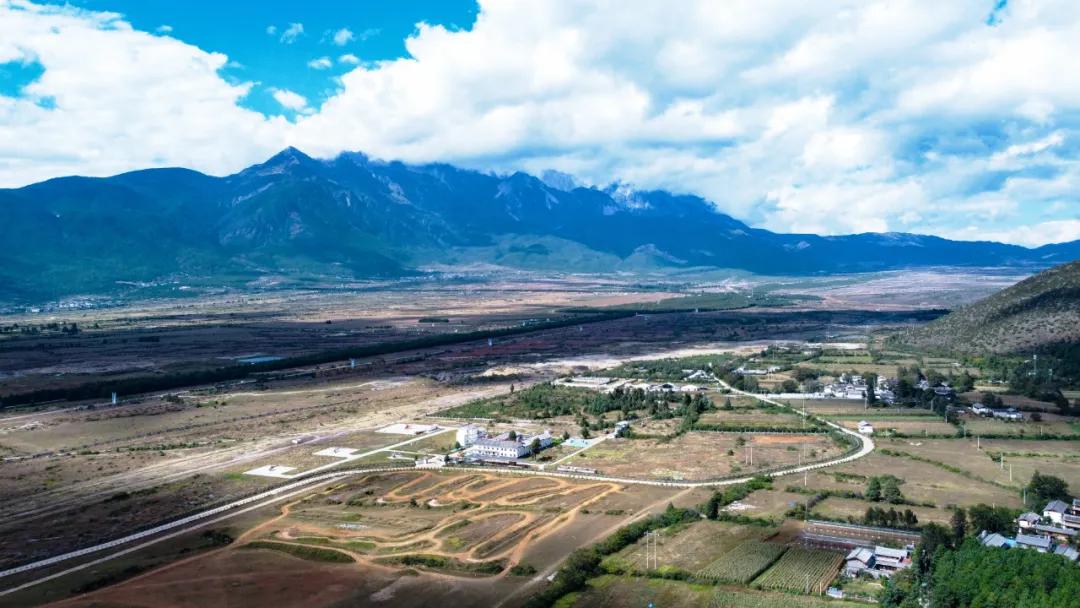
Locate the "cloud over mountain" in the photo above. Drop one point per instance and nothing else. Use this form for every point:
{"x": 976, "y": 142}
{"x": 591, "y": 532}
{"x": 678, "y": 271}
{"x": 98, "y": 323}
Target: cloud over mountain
{"x": 829, "y": 116}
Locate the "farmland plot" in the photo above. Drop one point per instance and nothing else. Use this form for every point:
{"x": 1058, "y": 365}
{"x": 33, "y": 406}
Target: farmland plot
{"x": 742, "y": 564}
{"x": 801, "y": 570}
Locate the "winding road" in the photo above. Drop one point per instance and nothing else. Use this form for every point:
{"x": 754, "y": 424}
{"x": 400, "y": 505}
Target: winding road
{"x": 304, "y": 482}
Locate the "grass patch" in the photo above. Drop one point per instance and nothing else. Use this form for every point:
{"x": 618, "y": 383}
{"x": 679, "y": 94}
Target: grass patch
{"x": 314, "y": 554}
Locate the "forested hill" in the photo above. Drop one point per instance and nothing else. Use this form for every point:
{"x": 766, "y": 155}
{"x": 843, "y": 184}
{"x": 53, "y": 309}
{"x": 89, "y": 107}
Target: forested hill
{"x": 1038, "y": 314}
{"x": 295, "y": 217}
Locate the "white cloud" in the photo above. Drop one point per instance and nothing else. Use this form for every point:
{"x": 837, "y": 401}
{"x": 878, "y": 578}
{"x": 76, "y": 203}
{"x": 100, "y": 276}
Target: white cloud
{"x": 164, "y": 29}
{"x": 291, "y": 100}
{"x": 1053, "y": 231}
{"x": 343, "y": 36}
{"x": 112, "y": 99}
{"x": 829, "y": 116}
{"x": 321, "y": 63}
{"x": 292, "y": 33}
{"x": 271, "y": 30}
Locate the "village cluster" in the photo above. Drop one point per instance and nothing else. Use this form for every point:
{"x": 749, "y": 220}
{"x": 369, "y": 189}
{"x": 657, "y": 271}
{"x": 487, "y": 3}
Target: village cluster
{"x": 1053, "y": 531}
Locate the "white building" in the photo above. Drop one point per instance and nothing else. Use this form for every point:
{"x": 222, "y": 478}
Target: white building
{"x": 506, "y": 448}
{"x": 1063, "y": 514}
{"x": 469, "y": 434}
{"x": 499, "y": 448}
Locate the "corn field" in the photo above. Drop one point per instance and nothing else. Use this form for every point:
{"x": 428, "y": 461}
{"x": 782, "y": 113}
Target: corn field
{"x": 801, "y": 570}
{"x": 742, "y": 564}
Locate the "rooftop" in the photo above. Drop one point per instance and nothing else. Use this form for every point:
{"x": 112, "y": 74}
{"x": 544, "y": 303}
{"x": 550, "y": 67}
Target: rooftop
{"x": 1030, "y": 540}
{"x": 1056, "y": 506}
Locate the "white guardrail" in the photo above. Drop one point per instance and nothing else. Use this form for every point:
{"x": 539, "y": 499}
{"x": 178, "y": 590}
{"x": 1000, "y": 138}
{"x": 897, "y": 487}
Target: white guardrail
{"x": 867, "y": 446}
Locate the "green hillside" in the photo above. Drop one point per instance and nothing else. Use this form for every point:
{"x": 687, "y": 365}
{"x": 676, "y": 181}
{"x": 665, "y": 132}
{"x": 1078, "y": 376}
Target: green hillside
{"x": 1038, "y": 313}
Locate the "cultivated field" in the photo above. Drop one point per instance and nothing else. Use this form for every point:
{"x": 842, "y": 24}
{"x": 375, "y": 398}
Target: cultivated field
{"x": 618, "y": 592}
{"x": 690, "y": 547}
{"x": 741, "y": 564}
{"x": 808, "y": 571}
{"x": 701, "y": 455}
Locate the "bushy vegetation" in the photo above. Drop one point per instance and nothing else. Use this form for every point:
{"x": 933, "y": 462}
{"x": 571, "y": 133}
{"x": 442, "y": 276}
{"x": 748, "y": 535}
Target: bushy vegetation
{"x": 315, "y": 554}
{"x": 986, "y": 577}
{"x": 547, "y": 400}
{"x": 1044, "y": 488}
{"x": 439, "y": 562}
{"x": 876, "y": 516}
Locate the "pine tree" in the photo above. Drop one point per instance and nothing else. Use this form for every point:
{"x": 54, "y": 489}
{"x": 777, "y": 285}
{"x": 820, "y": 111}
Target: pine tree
{"x": 873, "y": 490}
{"x": 959, "y": 525}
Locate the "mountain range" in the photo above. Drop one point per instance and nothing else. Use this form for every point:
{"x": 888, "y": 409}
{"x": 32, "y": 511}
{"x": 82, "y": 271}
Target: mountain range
{"x": 355, "y": 217}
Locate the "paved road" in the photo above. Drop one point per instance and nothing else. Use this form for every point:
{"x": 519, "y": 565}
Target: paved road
{"x": 309, "y": 479}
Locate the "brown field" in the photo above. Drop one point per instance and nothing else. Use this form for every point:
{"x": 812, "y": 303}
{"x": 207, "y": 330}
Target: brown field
{"x": 770, "y": 504}
{"x": 1051, "y": 424}
{"x": 1060, "y": 458}
{"x": 691, "y": 547}
{"x": 621, "y": 592}
{"x": 923, "y": 482}
{"x": 752, "y": 418}
{"x": 538, "y": 532}
{"x": 907, "y": 427}
{"x": 843, "y": 508}
{"x": 700, "y": 455}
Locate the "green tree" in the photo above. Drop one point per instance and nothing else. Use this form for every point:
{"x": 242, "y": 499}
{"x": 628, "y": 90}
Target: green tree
{"x": 712, "y": 508}
{"x": 987, "y": 577}
{"x": 890, "y": 491}
{"x": 934, "y": 537}
{"x": 1044, "y": 488}
{"x": 873, "y": 490}
{"x": 959, "y": 525}
{"x": 991, "y": 519}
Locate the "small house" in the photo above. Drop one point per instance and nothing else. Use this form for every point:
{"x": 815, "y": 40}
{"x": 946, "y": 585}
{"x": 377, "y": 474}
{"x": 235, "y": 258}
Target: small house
{"x": 1028, "y": 520}
{"x": 1038, "y": 542}
{"x": 994, "y": 539}
{"x": 859, "y": 559}
{"x": 1067, "y": 552}
{"x": 1055, "y": 510}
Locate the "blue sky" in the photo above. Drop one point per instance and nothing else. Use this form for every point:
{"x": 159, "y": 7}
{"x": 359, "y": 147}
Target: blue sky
{"x": 959, "y": 119}
{"x": 254, "y": 36}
